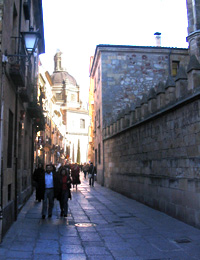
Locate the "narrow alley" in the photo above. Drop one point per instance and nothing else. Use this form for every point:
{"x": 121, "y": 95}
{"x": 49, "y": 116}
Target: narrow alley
{"x": 101, "y": 224}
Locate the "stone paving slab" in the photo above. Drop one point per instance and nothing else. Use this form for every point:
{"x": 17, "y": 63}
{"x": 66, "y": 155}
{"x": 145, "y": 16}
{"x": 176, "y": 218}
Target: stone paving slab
{"x": 101, "y": 225}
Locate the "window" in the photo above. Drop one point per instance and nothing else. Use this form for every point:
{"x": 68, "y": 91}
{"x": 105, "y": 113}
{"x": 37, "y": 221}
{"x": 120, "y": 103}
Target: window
{"x": 99, "y": 153}
{"x": 26, "y": 149}
{"x": 73, "y": 97}
{"x": 9, "y": 192}
{"x": 175, "y": 66}
{"x": 99, "y": 118}
{"x": 10, "y": 140}
{"x": 19, "y": 145}
{"x": 14, "y": 26}
{"x": 82, "y": 123}
{"x": 58, "y": 96}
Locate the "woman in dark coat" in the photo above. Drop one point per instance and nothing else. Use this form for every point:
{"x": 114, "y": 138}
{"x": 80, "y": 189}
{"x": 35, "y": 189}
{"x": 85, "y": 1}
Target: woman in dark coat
{"x": 75, "y": 170}
{"x": 65, "y": 193}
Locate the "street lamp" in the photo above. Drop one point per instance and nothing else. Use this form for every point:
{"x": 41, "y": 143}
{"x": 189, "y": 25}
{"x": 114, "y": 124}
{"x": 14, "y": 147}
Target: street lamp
{"x": 30, "y": 41}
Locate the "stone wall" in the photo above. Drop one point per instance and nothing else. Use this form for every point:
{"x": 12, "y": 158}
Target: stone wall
{"x": 128, "y": 72}
{"x": 151, "y": 152}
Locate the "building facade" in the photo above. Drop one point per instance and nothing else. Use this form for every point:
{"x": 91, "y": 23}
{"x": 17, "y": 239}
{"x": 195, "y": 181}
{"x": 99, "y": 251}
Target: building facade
{"x": 91, "y": 155}
{"x": 21, "y": 113}
{"x": 75, "y": 115}
{"x": 50, "y": 144}
{"x": 122, "y": 74}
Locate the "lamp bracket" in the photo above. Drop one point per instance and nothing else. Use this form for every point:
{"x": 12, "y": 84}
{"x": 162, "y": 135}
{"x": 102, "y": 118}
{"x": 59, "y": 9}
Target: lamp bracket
{"x": 15, "y": 58}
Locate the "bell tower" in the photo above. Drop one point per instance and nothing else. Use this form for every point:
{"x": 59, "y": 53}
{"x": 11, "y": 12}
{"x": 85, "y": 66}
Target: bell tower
{"x": 193, "y": 13}
{"x": 58, "y": 61}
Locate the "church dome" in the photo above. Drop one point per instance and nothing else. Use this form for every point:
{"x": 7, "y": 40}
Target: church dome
{"x": 59, "y": 76}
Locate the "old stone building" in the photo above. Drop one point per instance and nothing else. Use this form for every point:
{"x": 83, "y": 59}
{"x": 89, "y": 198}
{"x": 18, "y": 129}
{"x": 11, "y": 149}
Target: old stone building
{"x": 122, "y": 74}
{"x": 21, "y": 113}
{"x": 75, "y": 114}
{"x": 151, "y": 151}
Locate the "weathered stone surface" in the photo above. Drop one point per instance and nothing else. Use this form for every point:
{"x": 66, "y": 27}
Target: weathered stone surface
{"x": 157, "y": 162}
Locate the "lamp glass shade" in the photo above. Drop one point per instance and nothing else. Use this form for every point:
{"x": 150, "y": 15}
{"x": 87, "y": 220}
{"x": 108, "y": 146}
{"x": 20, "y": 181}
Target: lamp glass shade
{"x": 30, "y": 40}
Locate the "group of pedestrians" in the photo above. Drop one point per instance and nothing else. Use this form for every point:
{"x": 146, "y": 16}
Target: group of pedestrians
{"x": 56, "y": 183}
{"x": 91, "y": 170}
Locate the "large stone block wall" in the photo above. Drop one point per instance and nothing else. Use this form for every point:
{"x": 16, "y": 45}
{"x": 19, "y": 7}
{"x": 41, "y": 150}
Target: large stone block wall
{"x": 157, "y": 162}
{"x": 151, "y": 153}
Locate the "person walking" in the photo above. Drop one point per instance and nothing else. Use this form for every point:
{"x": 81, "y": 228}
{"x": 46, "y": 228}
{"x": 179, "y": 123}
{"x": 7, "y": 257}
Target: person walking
{"x": 48, "y": 187}
{"x": 67, "y": 165}
{"x": 91, "y": 174}
{"x": 75, "y": 173}
{"x": 65, "y": 193}
{"x": 39, "y": 171}
{"x": 85, "y": 169}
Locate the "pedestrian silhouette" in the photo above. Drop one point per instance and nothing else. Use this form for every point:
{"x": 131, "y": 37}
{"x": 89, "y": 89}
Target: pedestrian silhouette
{"x": 48, "y": 187}
{"x": 75, "y": 173}
{"x": 64, "y": 190}
{"x": 91, "y": 174}
{"x": 85, "y": 169}
{"x": 39, "y": 171}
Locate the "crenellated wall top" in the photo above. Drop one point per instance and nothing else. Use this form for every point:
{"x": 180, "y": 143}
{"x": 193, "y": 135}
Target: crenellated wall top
{"x": 174, "y": 91}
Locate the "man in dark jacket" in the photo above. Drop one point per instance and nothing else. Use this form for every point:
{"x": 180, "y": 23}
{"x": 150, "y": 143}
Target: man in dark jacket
{"x": 92, "y": 171}
{"x": 48, "y": 186}
{"x": 36, "y": 178}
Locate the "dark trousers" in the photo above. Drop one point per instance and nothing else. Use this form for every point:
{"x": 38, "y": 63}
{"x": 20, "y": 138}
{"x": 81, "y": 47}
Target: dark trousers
{"x": 48, "y": 201}
{"x": 91, "y": 180}
{"x": 64, "y": 202}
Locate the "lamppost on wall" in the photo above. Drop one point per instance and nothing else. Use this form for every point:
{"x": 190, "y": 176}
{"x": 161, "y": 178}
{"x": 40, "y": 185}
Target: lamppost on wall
{"x": 30, "y": 41}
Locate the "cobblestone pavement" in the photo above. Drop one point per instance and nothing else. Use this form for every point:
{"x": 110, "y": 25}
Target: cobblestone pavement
{"x": 101, "y": 225}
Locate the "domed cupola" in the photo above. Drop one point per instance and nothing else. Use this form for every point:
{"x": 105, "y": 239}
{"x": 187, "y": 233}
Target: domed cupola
{"x": 60, "y": 75}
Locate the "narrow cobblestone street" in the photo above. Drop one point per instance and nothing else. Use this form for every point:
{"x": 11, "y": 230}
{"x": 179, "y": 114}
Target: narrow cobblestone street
{"x": 102, "y": 224}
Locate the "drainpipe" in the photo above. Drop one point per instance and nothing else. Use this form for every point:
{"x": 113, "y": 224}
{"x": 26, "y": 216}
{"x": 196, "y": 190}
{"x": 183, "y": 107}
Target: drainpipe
{"x": 1, "y": 153}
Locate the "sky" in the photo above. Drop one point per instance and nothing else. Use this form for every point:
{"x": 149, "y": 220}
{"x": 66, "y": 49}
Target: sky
{"x": 76, "y": 27}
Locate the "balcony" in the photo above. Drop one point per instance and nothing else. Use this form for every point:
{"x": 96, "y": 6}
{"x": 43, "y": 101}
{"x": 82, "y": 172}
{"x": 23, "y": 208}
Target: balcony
{"x": 17, "y": 73}
{"x": 36, "y": 113}
{"x": 39, "y": 123}
{"x": 34, "y": 110}
{"x": 25, "y": 93}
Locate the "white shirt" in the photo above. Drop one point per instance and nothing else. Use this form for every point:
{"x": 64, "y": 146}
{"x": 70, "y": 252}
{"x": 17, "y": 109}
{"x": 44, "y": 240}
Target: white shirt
{"x": 48, "y": 180}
